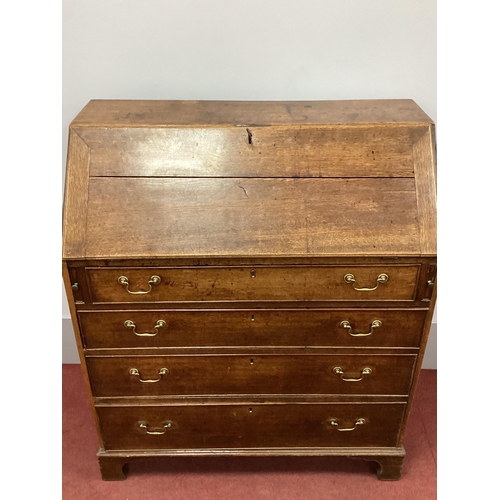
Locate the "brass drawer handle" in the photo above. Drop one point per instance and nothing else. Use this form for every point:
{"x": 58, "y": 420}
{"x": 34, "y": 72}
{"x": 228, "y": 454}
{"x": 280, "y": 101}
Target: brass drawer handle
{"x": 360, "y": 421}
{"x": 349, "y": 278}
{"x": 339, "y": 371}
{"x": 135, "y": 371}
{"x": 154, "y": 280}
{"x": 376, "y": 323}
{"x": 159, "y": 324}
{"x": 144, "y": 425}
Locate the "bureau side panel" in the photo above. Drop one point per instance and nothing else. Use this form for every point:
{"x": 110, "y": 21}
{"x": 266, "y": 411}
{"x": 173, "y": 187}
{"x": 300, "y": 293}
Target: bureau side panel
{"x": 420, "y": 358}
{"x": 79, "y": 343}
{"x": 75, "y": 198}
{"x": 425, "y": 184}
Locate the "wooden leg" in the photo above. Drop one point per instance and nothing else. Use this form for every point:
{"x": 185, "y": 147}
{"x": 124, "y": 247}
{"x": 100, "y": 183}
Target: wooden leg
{"x": 389, "y": 468}
{"x": 112, "y": 468}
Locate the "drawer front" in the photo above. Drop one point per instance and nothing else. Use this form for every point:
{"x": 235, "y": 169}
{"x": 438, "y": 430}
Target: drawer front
{"x": 211, "y": 426}
{"x": 259, "y": 374}
{"x": 226, "y": 328}
{"x": 265, "y": 283}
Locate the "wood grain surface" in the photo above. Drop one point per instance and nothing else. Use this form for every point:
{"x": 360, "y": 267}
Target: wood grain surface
{"x": 157, "y": 217}
{"x": 250, "y": 215}
{"x": 425, "y": 183}
{"x": 250, "y": 374}
{"x": 285, "y": 151}
{"x": 137, "y": 113}
{"x": 265, "y": 283}
{"x": 243, "y": 426}
{"x": 257, "y": 327}
{"x": 75, "y": 198}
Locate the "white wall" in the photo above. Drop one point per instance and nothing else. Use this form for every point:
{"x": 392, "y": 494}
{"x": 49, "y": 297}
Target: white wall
{"x": 253, "y": 50}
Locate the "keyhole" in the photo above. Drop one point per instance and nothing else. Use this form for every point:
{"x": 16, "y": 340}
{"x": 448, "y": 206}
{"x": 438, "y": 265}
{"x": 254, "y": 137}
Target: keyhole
{"x": 251, "y": 361}
{"x": 252, "y": 318}
{"x": 252, "y": 273}
{"x": 250, "y": 410}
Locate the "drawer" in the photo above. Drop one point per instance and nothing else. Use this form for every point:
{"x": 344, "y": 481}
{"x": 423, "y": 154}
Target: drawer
{"x": 210, "y": 426}
{"x": 257, "y": 327}
{"x": 263, "y": 283}
{"x": 250, "y": 374}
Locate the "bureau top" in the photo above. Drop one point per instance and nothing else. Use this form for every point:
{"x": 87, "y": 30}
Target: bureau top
{"x": 154, "y": 179}
{"x": 137, "y": 113}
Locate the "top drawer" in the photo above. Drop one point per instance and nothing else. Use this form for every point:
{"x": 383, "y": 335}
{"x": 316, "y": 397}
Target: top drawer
{"x": 259, "y": 283}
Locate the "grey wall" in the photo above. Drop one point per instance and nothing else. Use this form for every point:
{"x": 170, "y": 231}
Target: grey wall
{"x": 258, "y": 50}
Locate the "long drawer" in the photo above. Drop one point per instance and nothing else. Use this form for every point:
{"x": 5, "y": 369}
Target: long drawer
{"x": 210, "y": 426}
{"x": 275, "y": 327}
{"x": 258, "y": 283}
{"x": 251, "y": 374}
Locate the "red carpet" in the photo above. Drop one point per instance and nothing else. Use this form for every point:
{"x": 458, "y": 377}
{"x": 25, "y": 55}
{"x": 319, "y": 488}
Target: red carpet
{"x": 242, "y": 478}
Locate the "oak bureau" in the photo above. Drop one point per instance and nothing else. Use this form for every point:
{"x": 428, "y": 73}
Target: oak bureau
{"x": 250, "y": 278}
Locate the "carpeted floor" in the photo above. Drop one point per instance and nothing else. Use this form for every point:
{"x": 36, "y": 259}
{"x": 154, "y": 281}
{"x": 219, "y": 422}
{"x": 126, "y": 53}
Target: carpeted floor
{"x": 227, "y": 478}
